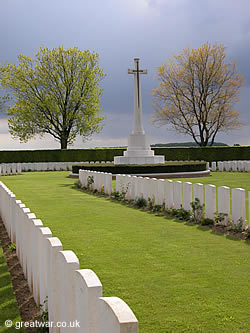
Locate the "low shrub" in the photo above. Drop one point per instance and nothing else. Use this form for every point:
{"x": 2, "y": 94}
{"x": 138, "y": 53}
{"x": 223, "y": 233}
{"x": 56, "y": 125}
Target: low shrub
{"x": 207, "y": 221}
{"x": 116, "y": 195}
{"x": 197, "y": 210}
{"x": 142, "y": 169}
{"x": 181, "y": 214}
{"x": 220, "y": 218}
{"x": 239, "y": 226}
{"x": 141, "y": 202}
{"x": 157, "y": 208}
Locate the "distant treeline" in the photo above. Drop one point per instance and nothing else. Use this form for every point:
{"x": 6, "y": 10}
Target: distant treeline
{"x": 185, "y": 144}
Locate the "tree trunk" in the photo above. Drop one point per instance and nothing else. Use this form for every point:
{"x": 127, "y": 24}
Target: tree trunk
{"x": 64, "y": 142}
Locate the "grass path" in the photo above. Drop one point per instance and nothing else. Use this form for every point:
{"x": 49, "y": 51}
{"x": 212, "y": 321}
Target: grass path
{"x": 175, "y": 277}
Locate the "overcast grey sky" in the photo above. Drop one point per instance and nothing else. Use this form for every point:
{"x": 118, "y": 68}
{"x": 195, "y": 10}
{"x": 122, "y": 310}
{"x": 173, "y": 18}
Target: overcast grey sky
{"x": 120, "y": 30}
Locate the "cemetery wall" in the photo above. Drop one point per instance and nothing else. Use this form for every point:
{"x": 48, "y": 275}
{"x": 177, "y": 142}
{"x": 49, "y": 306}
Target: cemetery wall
{"x": 208, "y": 154}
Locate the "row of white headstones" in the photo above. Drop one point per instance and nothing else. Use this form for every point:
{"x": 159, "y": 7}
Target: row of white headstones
{"x": 174, "y": 194}
{"x": 235, "y": 166}
{"x": 74, "y": 295}
{"x": 18, "y": 168}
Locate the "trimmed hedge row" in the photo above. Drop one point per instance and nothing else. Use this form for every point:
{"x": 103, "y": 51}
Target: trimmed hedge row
{"x": 58, "y": 155}
{"x": 208, "y": 154}
{"x": 142, "y": 169}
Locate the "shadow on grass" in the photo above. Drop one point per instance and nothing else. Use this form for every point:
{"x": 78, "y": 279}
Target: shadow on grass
{"x": 69, "y": 185}
{"x": 233, "y": 238}
{"x": 203, "y": 228}
{"x": 217, "y": 233}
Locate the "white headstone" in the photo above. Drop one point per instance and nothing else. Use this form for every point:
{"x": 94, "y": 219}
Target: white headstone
{"x": 28, "y": 248}
{"x": 146, "y": 188}
{"x": 43, "y": 234}
{"x": 214, "y": 166}
{"x": 161, "y": 192}
{"x": 169, "y": 194}
{"x": 198, "y": 192}
{"x": 238, "y": 206}
{"x": 67, "y": 264}
{"x": 220, "y": 165}
{"x": 177, "y": 194}
{"x": 187, "y": 195}
{"x": 53, "y": 246}
{"x": 88, "y": 289}
{"x": 210, "y": 201}
{"x": 153, "y": 190}
{"x": 224, "y": 203}
{"x": 36, "y": 224}
{"x": 116, "y": 317}
{"x": 234, "y": 166}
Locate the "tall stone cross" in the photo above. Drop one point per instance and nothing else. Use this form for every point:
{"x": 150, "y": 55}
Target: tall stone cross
{"x": 138, "y": 127}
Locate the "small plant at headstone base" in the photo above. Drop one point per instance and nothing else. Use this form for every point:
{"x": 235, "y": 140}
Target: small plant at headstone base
{"x": 246, "y": 232}
{"x": 90, "y": 182}
{"x": 183, "y": 214}
{"x": 197, "y": 210}
{"x": 151, "y": 203}
{"x": 124, "y": 191}
{"x": 239, "y": 226}
{"x": 206, "y": 221}
{"x": 141, "y": 202}
{"x": 44, "y": 317}
{"x": 12, "y": 247}
{"x": 180, "y": 214}
{"x": 220, "y": 218}
{"x": 102, "y": 188}
{"x": 157, "y": 208}
{"x": 115, "y": 195}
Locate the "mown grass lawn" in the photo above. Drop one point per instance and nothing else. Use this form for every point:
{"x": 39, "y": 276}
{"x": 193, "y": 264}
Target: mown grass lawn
{"x": 175, "y": 277}
{"x": 8, "y": 306}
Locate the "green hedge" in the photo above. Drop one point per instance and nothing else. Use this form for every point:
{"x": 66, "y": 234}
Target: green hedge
{"x": 208, "y": 154}
{"x": 142, "y": 169}
{"x": 57, "y": 155}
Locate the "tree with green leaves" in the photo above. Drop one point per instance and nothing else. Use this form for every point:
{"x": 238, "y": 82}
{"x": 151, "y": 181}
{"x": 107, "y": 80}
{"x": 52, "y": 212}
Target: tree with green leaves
{"x": 3, "y": 99}
{"x": 54, "y": 93}
{"x": 197, "y": 93}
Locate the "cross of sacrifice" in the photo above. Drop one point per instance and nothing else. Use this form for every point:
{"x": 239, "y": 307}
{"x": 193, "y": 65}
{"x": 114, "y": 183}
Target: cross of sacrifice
{"x": 138, "y": 128}
{"x": 136, "y": 71}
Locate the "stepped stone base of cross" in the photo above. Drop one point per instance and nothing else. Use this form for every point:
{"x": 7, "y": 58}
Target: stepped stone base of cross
{"x": 139, "y": 152}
